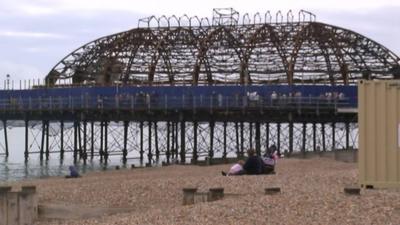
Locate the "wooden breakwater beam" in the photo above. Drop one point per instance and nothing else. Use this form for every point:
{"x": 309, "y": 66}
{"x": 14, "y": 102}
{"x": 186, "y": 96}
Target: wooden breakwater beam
{"x": 272, "y": 190}
{"x": 3, "y": 204}
{"x": 352, "y": 190}
{"x": 28, "y": 205}
{"x": 188, "y": 195}
{"x": 215, "y": 194}
{"x": 18, "y": 208}
{"x": 191, "y": 196}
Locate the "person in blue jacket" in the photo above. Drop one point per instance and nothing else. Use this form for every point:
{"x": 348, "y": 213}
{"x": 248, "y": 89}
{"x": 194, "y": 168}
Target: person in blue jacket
{"x": 73, "y": 172}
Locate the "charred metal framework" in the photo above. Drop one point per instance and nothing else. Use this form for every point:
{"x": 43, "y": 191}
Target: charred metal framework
{"x": 230, "y": 49}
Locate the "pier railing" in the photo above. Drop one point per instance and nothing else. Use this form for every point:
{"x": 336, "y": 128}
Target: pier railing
{"x": 184, "y": 102}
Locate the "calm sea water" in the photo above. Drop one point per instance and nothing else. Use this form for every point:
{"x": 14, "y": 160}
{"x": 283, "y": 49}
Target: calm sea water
{"x": 19, "y": 170}
{"x": 14, "y": 167}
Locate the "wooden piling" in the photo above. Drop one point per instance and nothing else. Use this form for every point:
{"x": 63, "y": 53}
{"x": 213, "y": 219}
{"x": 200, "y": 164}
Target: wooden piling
{"x": 12, "y": 208}
{"x": 3, "y": 204}
{"x": 352, "y": 190}
{"x": 28, "y": 205}
{"x": 215, "y": 194}
{"x": 272, "y": 190}
{"x": 188, "y": 195}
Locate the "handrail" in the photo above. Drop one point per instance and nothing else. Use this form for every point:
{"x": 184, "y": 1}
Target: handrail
{"x": 184, "y": 102}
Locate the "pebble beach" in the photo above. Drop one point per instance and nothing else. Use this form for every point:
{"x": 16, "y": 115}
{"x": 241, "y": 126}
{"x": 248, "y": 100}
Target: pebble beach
{"x": 311, "y": 193}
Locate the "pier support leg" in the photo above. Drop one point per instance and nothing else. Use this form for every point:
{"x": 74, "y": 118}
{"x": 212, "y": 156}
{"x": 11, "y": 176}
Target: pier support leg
{"x": 26, "y": 153}
{"x": 42, "y": 142}
{"x": 80, "y": 151}
{"x": 314, "y": 127}
{"x": 183, "y": 150}
{"x": 125, "y": 150}
{"x": 237, "y": 140}
{"x": 278, "y": 143}
{"x": 303, "y": 148}
{"x": 106, "y": 142}
{"x": 347, "y": 135}
{"x": 333, "y": 136}
{"x": 168, "y": 152}
{"x": 91, "y": 140}
{"x": 75, "y": 141}
{"x": 5, "y": 137}
{"x": 211, "y": 151}
{"x": 141, "y": 152}
{"x": 101, "y": 141}
{"x": 61, "y": 140}
{"x": 241, "y": 139}
{"x": 258, "y": 137}
{"x": 176, "y": 141}
{"x": 267, "y": 138}
{"x": 224, "y": 154}
{"x": 149, "y": 154}
{"x": 251, "y": 135}
{"x": 195, "y": 156}
{"x": 172, "y": 140}
{"x": 323, "y": 137}
{"x": 47, "y": 141}
{"x": 156, "y": 142}
{"x": 84, "y": 154}
{"x": 290, "y": 137}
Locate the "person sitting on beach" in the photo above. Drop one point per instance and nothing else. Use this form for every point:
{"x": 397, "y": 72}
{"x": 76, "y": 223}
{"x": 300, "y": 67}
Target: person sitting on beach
{"x": 253, "y": 164}
{"x": 269, "y": 161}
{"x": 73, "y": 172}
{"x": 236, "y": 169}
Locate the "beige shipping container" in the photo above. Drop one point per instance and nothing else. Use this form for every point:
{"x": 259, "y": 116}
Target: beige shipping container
{"x": 379, "y": 133}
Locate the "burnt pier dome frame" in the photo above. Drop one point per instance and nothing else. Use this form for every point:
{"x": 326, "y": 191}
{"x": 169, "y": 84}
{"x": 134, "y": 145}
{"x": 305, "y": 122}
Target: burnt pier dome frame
{"x": 231, "y": 49}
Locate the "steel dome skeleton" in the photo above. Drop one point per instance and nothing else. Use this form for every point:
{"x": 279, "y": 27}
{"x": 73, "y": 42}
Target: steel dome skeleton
{"x": 228, "y": 50}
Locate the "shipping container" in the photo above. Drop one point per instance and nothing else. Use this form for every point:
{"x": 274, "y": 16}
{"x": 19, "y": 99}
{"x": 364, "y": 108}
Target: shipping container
{"x": 379, "y": 133}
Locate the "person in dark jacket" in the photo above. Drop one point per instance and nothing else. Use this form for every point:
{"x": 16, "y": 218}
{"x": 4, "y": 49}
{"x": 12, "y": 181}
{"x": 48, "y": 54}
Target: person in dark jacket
{"x": 73, "y": 172}
{"x": 253, "y": 164}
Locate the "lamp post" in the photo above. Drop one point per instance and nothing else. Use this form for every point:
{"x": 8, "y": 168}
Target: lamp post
{"x": 8, "y": 81}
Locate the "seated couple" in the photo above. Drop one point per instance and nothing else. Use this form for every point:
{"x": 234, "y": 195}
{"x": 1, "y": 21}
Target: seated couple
{"x": 254, "y": 165}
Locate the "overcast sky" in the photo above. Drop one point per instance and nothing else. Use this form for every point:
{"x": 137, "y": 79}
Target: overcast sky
{"x": 36, "y": 34}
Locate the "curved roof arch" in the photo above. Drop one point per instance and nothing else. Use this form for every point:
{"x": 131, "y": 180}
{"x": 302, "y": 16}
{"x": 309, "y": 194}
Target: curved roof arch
{"x": 253, "y": 53}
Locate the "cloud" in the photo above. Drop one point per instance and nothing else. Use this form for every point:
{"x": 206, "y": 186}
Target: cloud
{"x": 26, "y": 34}
{"x": 36, "y": 10}
{"x": 37, "y": 34}
{"x": 35, "y": 49}
{"x": 179, "y": 7}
